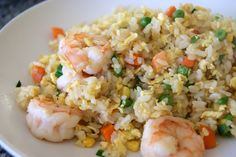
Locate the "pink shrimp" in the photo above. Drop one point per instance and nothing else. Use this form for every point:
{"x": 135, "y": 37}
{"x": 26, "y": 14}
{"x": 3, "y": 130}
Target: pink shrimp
{"x": 171, "y": 137}
{"x": 89, "y": 58}
{"x": 48, "y": 121}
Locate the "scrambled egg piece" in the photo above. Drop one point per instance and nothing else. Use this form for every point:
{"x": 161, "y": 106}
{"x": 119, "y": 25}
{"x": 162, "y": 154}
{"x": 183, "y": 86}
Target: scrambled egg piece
{"x": 233, "y": 82}
{"x": 25, "y": 94}
{"x": 213, "y": 114}
{"x": 88, "y": 142}
{"x": 133, "y": 145}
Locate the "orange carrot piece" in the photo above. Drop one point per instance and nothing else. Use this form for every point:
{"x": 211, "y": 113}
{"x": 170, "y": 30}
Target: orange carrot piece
{"x": 210, "y": 138}
{"x": 136, "y": 59}
{"x": 37, "y": 73}
{"x": 159, "y": 56}
{"x": 107, "y": 131}
{"x": 188, "y": 63}
{"x": 56, "y": 31}
{"x": 170, "y": 11}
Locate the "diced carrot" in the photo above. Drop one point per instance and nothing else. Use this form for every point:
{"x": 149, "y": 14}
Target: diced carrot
{"x": 210, "y": 137}
{"x": 136, "y": 60}
{"x": 188, "y": 63}
{"x": 56, "y": 31}
{"x": 170, "y": 11}
{"x": 159, "y": 57}
{"x": 107, "y": 131}
{"x": 37, "y": 73}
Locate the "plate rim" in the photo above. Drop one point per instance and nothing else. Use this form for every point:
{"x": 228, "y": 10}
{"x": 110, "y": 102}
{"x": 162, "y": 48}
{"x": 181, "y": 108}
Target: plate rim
{"x": 9, "y": 146}
{"x": 4, "y": 143}
{"x": 23, "y": 13}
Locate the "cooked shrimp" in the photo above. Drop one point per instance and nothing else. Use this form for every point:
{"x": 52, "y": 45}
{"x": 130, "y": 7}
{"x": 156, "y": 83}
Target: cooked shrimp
{"x": 48, "y": 121}
{"x": 68, "y": 77}
{"x": 171, "y": 137}
{"x": 160, "y": 61}
{"x": 87, "y": 53}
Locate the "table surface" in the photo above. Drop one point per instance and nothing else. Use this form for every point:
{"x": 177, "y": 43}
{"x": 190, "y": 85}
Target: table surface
{"x": 8, "y": 10}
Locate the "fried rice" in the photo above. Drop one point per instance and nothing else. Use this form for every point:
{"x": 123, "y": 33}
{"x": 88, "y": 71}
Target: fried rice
{"x": 194, "y": 77}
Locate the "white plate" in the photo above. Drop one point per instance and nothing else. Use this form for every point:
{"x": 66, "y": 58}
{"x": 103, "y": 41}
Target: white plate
{"x": 26, "y": 37}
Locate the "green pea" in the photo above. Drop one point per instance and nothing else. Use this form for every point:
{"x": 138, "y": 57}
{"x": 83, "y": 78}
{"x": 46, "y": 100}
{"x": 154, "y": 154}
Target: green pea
{"x": 229, "y": 117}
{"x": 220, "y": 34}
{"x": 183, "y": 70}
{"x": 223, "y": 101}
{"x": 145, "y": 21}
{"x": 178, "y": 14}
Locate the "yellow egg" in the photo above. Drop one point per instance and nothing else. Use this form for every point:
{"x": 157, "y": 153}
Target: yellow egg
{"x": 233, "y": 82}
{"x": 53, "y": 77}
{"x": 133, "y": 145}
{"x": 229, "y": 38}
{"x": 125, "y": 91}
{"x": 88, "y": 142}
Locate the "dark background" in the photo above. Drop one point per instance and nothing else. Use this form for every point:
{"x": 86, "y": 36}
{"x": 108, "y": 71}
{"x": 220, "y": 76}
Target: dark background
{"x": 8, "y": 10}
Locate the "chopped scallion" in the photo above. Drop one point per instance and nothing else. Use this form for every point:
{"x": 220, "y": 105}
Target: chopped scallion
{"x": 18, "y": 84}
{"x": 223, "y": 130}
{"x": 126, "y": 103}
{"x": 194, "y": 39}
{"x": 100, "y": 153}
{"x": 168, "y": 99}
{"x": 59, "y": 71}
{"x": 194, "y": 9}
{"x": 137, "y": 82}
{"x": 229, "y": 117}
{"x": 188, "y": 83}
